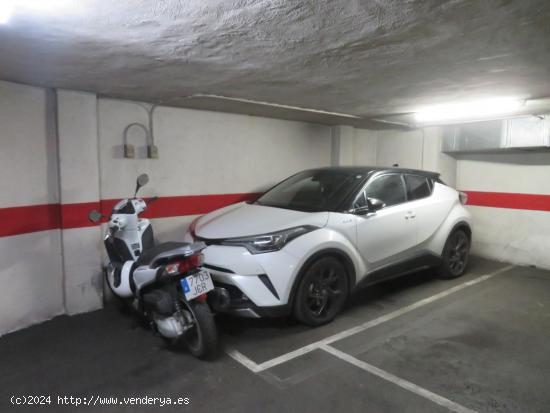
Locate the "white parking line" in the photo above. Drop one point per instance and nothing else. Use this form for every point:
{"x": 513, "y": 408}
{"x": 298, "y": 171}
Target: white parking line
{"x": 407, "y": 385}
{"x": 242, "y": 359}
{"x": 256, "y": 368}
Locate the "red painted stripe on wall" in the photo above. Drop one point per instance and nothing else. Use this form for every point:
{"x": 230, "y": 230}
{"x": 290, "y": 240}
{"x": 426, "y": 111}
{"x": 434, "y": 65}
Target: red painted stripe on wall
{"x": 175, "y": 206}
{"x": 25, "y": 219}
{"x": 531, "y": 202}
{"x": 76, "y": 215}
{"x": 34, "y": 218}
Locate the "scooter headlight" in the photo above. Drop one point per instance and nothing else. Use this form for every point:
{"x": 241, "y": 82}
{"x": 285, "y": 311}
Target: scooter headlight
{"x": 273, "y": 241}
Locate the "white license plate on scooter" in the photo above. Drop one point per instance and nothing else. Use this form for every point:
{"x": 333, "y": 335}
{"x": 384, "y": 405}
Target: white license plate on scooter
{"x": 196, "y": 284}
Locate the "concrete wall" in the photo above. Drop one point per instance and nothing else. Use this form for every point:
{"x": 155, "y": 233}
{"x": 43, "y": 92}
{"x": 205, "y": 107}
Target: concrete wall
{"x": 61, "y": 154}
{"x": 31, "y": 273}
{"x": 203, "y": 153}
{"x": 417, "y": 149}
{"x": 518, "y": 236}
{"x": 365, "y": 147}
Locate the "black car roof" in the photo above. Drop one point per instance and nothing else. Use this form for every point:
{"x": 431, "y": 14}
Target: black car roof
{"x": 370, "y": 169}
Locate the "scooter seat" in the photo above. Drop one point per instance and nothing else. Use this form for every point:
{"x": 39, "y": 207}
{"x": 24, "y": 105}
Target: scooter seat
{"x": 149, "y": 255}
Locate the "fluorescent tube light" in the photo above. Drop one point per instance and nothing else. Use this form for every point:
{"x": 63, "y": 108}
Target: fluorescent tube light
{"x": 6, "y": 10}
{"x": 468, "y": 111}
{"x": 9, "y": 7}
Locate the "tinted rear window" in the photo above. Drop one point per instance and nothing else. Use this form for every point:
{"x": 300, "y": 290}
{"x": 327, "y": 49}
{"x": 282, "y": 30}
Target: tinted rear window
{"x": 417, "y": 187}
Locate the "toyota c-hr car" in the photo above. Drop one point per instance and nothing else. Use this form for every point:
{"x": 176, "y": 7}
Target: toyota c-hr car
{"x": 305, "y": 244}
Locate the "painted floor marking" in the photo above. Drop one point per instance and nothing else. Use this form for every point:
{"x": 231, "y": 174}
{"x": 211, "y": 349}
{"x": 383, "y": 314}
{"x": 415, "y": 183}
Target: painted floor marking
{"x": 407, "y": 385}
{"x": 256, "y": 368}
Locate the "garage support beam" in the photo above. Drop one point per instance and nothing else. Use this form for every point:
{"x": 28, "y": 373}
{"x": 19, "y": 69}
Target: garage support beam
{"x": 79, "y": 183}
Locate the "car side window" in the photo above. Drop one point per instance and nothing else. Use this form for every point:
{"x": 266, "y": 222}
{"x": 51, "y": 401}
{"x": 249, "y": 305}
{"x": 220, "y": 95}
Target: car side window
{"x": 387, "y": 188}
{"x": 417, "y": 187}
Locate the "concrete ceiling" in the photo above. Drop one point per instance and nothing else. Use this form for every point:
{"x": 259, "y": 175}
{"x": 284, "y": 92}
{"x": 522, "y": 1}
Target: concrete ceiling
{"x": 362, "y": 58}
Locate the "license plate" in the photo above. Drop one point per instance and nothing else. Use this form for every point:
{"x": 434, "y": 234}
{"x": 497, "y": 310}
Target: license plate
{"x": 196, "y": 284}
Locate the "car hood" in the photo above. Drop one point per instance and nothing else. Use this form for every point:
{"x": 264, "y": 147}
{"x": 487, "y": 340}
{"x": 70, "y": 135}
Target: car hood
{"x": 244, "y": 219}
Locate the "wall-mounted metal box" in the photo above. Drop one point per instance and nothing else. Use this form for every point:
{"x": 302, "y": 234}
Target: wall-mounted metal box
{"x": 527, "y": 132}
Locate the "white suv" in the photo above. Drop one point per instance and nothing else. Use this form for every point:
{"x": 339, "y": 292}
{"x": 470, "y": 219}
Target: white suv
{"x": 305, "y": 244}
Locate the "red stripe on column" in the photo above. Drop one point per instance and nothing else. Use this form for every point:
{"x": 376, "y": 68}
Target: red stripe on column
{"x": 25, "y": 219}
{"x": 531, "y": 202}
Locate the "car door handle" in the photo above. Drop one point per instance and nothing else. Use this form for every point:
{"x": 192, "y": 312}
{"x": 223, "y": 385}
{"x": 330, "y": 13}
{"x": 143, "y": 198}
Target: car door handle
{"x": 410, "y": 215}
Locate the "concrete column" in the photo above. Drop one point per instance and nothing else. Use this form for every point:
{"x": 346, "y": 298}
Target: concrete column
{"x": 342, "y": 145}
{"x": 79, "y": 183}
{"x": 365, "y": 147}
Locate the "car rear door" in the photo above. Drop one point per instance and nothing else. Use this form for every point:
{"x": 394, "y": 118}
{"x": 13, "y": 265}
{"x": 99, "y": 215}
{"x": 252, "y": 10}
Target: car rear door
{"x": 387, "y": 235}
{"x": 427, "y": 208}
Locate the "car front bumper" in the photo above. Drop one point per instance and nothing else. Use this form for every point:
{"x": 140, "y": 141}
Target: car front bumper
{"x": 259, "y": 285}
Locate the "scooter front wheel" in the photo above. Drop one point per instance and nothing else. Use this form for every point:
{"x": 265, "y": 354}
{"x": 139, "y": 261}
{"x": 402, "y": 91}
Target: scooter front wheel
{"x": 202, "y": 338}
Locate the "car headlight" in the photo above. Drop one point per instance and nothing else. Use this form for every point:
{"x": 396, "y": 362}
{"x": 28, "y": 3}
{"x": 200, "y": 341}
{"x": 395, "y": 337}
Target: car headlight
{"x": 273, "y": 241}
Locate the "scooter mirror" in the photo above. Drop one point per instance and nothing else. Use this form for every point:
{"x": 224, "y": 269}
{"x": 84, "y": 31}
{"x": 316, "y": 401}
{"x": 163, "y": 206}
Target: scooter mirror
{"x": 141, "y": 181}
{"x": 95, "y": 216}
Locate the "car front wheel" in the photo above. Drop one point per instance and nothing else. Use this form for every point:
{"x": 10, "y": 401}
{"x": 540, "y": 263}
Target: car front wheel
{"x": 322, "y": 292}
{"x": 455, "y": 255}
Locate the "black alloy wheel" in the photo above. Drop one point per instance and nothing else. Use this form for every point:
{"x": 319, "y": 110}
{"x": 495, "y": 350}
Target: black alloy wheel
{"x": 455, "y": 255}
{"x": 322, "y": 292}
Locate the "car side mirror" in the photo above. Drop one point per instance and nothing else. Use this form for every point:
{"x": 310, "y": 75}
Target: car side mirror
{"x": 364, "y": 210}
{"x": 375, "y": 204}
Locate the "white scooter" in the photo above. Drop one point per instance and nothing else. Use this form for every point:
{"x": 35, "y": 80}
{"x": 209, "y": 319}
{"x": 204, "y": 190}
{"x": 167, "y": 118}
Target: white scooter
{"x": 165, "y": 282}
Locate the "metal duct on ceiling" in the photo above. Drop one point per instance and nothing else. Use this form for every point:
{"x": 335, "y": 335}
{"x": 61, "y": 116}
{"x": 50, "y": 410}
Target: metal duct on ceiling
{"x": 528, "y": 133}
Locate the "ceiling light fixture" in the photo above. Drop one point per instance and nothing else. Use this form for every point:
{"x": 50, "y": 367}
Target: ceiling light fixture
{"x": 469, "y": 111}
{"x": 9, "y": 7}
{"x": 6, "y": 10}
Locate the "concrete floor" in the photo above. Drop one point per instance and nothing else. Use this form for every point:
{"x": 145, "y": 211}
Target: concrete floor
{"x": 481, "y": 346}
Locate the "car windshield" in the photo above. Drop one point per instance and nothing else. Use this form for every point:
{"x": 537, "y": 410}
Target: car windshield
{"x": 313, "y": 191}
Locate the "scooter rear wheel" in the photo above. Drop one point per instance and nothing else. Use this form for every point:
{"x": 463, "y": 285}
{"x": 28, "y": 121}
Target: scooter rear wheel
{"x": 202, "y": 338}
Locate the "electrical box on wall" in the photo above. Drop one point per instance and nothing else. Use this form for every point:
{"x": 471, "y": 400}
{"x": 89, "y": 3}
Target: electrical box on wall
{"x": 129, "y": 151}
{"x": 152, "y": 152}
